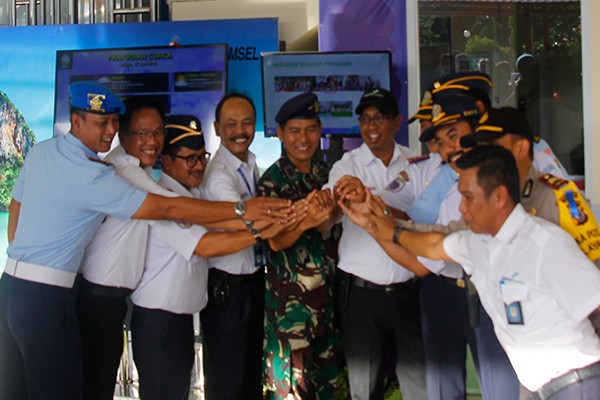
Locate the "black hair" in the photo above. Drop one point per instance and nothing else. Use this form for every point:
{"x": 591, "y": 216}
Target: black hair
{"x": 135, "y": 104}
{"x": 231, "y": 96}
{"x": 496, "y": 167}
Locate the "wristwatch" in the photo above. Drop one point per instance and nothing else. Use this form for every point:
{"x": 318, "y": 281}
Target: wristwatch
{"x": 396, "y": 235}
{"x": 256, "y": 234}
{"x": 239, "y": 208}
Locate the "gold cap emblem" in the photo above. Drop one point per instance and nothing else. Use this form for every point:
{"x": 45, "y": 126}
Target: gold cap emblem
{"x": 96, "y": 102}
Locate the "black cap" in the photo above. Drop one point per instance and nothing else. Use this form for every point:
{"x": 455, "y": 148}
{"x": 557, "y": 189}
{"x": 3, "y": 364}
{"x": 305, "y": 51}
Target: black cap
{"x": 183, "y": 131}
{"x": 497, "y": 122}
{"x": 449, "y": 110}
{"x": 424, "y": 110}
{"x": 478, "y": 83}
{"x": 379, "y": 98}
{"x": 303, "y": 106}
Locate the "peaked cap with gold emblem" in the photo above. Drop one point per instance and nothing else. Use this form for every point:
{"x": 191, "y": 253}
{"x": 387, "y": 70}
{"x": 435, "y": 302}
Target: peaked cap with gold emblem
{"x": 184, "y": 131}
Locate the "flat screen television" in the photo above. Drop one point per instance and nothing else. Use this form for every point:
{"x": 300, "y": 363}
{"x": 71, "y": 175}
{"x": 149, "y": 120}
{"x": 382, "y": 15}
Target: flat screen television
{"x": 184, "y": 79}
{"x": 338, "y": 78}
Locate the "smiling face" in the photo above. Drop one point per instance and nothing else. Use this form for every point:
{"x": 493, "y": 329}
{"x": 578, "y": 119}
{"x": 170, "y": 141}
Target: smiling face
{"x": 301, "y": 138}
{"x": 448, "y": 140}
{"x": 95, "y": 131}
{"x": 177, "y": 167}
{"x": 378, "y": 131}
{"x": 236, "y": 126}
{"x": 145, "y": 136}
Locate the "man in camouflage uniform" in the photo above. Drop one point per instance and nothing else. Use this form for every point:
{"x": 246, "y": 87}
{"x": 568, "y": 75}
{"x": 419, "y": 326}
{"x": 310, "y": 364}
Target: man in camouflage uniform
{"x": 302, "y": 348}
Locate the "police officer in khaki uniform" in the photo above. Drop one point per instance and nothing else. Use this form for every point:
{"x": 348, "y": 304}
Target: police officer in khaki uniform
{"x": 545, "y": 195}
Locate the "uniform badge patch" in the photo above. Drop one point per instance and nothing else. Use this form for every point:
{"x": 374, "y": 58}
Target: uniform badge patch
{"x": 514, "y": 313}
{"x": 399, "y": 182}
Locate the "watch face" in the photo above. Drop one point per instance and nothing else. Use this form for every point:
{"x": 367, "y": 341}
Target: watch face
{"x": 240, "y": 208}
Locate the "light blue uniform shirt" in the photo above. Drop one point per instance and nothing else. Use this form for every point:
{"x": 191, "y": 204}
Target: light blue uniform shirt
{"x": 426, "y": 207}
{"x": 64, "y": 197}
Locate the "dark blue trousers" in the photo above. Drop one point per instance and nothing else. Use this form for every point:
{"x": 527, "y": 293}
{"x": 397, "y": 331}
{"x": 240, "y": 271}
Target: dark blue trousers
{"x": 163, "y": 351}
{"x": 40, "y": 347}
{"x": 101, "y": 319}
{"x": 446, "y": 334}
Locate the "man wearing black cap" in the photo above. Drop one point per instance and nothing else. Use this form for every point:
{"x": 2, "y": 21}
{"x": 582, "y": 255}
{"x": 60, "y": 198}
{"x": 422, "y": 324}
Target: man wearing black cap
{"x": 379, "y": 299}
{"x": 302, "y": 348}
{"x": 65, "y": 175}
{"x": 232, "y": 322}
{"x": 452, "y": 315}
{"x": 542, "y": 194}
{"x": 173, "y": 284}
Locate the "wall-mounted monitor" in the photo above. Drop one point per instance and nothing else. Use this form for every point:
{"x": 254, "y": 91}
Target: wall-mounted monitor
{"x": 184, "y": 79}
{"x": 338, "y": 78}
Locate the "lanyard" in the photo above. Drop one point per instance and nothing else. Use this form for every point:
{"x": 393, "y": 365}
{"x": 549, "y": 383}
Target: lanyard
{"x": 250, "y": 190}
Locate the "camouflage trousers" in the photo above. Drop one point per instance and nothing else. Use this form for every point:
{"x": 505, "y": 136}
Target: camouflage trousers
{"x": 313, "y": 372}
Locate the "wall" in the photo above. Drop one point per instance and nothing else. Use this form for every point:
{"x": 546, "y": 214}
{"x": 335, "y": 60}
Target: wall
{"x": 296, "y": 17}
{"x": 590, "y": 11}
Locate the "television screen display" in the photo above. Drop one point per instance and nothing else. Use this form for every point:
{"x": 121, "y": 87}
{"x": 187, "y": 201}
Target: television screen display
{"x": 338, "y": 78}
{"x": 184, "y": 79}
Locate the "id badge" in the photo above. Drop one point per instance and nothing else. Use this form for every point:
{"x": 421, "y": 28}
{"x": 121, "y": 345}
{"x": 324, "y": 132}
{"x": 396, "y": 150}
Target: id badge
{"x": 260, "y": 259}
{"x": 514, "y": 313}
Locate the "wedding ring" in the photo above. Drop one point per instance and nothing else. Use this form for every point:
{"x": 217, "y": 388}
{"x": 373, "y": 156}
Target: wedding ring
{"x": 386, "y": 211}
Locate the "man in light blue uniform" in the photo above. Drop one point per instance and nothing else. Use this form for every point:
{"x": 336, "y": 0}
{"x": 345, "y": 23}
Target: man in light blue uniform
{"x": 60, "y": 198}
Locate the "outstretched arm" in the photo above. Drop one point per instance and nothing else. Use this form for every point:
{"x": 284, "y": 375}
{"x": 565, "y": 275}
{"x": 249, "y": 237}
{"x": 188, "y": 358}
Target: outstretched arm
{"x": 201, "y": 212}
{"x": 373, "y": 216}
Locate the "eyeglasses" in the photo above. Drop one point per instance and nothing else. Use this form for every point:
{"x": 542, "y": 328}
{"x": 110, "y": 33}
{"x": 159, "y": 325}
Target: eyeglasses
{"x": 378, "y": 119}
{"x": 159, "y": 133}
{"x": 193, "y": 159}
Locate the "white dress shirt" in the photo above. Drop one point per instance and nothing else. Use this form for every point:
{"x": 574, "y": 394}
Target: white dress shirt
{"x": 536, "y": 265}
{"x": 115, "y": 256}
{"x": 174, "y": 279}
{"x": 360, "y": 254}
{"x": 227, "y": 178}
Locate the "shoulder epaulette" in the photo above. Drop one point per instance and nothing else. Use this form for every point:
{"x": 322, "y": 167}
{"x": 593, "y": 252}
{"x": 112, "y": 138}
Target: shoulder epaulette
{"x": 97, "y": 160}
{"x": 417, "y": 159}
{"x": 553, "y": 181}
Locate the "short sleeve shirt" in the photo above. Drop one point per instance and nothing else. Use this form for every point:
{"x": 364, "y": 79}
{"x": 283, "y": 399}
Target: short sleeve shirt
{"x": 359, "y": 253}
{"x": 174, "y": 279}
{"x": 65, "y": 192}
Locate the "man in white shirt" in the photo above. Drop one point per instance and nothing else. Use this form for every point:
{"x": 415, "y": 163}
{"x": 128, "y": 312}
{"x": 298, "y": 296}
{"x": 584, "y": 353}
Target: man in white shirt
{"x": 539, "y": 288}
{"x": 173, "y": 283}
{"x": 232, "y": 323}
{"x": 379, "y": 299}
{"x": 113, "y": 261}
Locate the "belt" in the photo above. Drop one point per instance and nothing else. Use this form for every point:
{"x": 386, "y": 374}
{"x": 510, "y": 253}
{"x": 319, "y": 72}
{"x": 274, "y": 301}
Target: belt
{"x": 233, "y": 279}
{"x": 457, "y": 282}
{"x": 101, "y": 290}
{"x": 573, "y": 376}
{"x": 394, "y": 287}
{"x": 39, "y": 273}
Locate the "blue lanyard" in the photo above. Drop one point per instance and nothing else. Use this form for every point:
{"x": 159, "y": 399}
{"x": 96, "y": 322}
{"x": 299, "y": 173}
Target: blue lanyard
{"x": 239, "y": 170}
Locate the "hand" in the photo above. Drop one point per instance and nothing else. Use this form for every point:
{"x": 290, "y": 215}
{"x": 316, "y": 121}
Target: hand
{"x": 316, "y": 215}
{"x": 323, "y": 198}
{"x": 268, "y": 209}
{"x": 275, "y": 229}
{"x": 350, "y": 188}
{"x": 372, "y": 215}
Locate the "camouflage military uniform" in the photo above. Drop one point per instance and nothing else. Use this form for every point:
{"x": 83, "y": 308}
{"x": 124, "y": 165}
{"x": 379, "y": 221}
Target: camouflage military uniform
{"x": 302, "y": 347}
